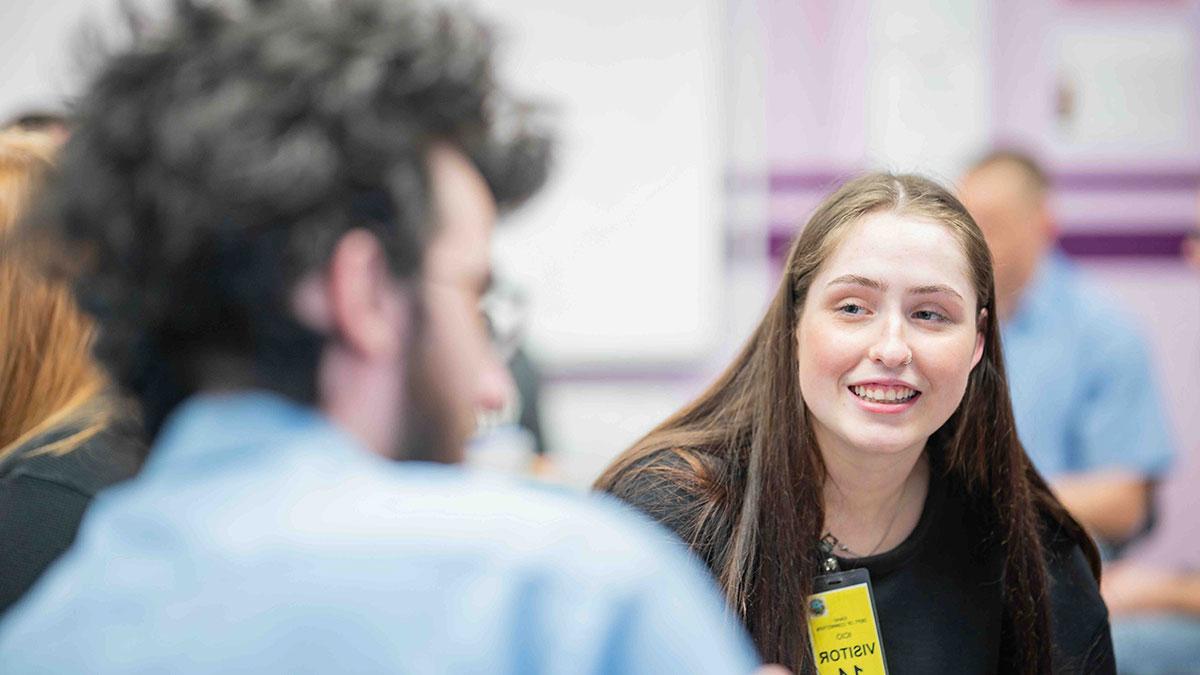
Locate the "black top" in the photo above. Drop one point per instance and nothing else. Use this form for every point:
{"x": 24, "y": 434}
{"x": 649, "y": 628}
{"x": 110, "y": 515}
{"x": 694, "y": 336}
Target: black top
{"x": 939, "y": 593}
{"x": 940, "y": 607}
{"x": 43, "y": 498}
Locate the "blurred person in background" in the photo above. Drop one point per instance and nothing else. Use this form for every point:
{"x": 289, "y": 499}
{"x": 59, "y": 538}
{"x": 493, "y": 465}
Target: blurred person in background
{"x": 1088, "y": 411}
{"x": 64, "y": 435}
{"x": 512, "y": 437}
{"x": 866, "y": 425}
{"x": 509, "y": 436}
{"x": 286, "y": 212}
{"x": 1155, "y": 599}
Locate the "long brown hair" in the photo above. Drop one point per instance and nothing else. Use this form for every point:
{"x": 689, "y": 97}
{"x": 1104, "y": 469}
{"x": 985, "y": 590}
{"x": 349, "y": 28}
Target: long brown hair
{"x": 48, "y": 378}
{"x": 744, "y": 475}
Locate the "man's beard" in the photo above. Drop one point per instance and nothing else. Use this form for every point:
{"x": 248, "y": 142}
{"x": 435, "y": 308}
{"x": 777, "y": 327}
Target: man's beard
{"x": 429, "y": 418}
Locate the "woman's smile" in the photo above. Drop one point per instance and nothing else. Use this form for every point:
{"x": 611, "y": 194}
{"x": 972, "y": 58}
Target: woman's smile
{"x": 884, "y": 396}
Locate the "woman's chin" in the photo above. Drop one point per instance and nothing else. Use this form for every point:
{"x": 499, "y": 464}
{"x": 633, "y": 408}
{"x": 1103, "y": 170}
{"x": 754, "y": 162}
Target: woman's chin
{"x": 887, "y": 444}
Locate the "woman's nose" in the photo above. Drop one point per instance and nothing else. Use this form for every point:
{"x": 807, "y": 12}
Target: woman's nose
{"x": 891, "y": 349}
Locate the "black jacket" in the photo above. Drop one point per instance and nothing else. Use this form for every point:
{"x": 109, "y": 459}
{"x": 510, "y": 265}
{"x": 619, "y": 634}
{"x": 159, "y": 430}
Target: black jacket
{"x": 43, "y": 499}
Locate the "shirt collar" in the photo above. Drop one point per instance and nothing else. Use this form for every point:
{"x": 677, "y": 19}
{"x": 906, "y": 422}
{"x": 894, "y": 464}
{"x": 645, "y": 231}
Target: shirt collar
{"x": 212, "y": 429}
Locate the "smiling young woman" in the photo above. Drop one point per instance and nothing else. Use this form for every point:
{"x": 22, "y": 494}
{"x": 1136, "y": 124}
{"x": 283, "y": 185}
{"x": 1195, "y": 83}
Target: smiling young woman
{"x": 870, "y": 410}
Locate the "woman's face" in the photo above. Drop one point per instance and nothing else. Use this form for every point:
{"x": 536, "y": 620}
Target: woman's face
{"x": 887, "y": 335}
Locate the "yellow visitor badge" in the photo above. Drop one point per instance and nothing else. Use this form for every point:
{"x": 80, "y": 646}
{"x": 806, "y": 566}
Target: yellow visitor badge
{"x": 843, "y": 625}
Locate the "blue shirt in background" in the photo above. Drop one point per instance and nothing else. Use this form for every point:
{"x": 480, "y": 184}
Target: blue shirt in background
{"x": 1082, "y": 386}
{"x": 259, "y": 538}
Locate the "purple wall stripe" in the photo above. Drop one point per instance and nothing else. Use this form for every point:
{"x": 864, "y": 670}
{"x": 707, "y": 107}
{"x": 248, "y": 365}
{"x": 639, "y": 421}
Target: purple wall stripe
{"x": 1123, "y": 244}
{"x": 779, "y": 241}
{"x": 1073, "y": 181}
{"x": 1157, "y": 181}
{"x": 1129, "y": 242}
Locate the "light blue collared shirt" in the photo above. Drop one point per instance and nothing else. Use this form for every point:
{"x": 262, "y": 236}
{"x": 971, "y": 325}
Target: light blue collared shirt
{"x": 259, "y": 538}
{"x": 1082, "y": 387}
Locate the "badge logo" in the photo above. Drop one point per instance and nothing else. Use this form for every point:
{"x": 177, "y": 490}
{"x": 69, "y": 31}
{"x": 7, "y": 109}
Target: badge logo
{"x": 816, "y": 607}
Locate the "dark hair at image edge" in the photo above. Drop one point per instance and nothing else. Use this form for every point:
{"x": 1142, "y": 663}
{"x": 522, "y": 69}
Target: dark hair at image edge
{"x": 738, "y": 474}
{"x": 221, "y": 157}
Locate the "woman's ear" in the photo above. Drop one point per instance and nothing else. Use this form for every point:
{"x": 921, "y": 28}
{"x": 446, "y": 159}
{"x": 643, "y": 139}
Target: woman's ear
{"x": 980, "y": 341}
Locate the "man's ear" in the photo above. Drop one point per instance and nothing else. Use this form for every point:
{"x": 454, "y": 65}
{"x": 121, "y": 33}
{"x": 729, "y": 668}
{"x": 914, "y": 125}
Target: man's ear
{"x": 980, "y": 340}
{"x": 1046, "y": 223}
{"x": 364, "y": 301}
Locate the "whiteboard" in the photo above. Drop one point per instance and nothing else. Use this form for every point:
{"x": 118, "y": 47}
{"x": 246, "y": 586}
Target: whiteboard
{"x": 622, "y": 254}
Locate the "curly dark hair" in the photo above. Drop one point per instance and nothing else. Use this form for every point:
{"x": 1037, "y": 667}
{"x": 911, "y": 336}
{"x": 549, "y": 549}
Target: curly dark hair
{"x": 220, "y": 158}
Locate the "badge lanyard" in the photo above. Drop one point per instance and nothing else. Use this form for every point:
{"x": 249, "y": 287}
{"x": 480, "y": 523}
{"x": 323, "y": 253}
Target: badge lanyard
{"x": 842, "y": 622}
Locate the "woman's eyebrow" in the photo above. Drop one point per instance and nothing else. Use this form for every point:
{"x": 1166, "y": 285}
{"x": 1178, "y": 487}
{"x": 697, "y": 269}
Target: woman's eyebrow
{"x": 857, "y": 280}
{"x": 934, "y": 289}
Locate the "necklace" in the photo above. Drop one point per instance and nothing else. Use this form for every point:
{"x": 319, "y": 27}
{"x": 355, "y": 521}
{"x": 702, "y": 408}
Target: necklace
{"x": 886, "y": 531}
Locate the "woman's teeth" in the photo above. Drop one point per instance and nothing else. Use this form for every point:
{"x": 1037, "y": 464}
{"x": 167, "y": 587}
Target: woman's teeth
{"x": 889, "y": 394}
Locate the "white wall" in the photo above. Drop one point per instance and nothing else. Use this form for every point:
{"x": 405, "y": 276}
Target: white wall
{"x": 37, "y": 66}
{"x": 622, "y": 253}
{"x": 928, "y": 85}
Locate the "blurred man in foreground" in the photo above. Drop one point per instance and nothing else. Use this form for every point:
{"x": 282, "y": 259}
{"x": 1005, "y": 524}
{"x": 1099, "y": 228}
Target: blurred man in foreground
{"x": 1087, "y": 408}
{"x": 282, "y": 222}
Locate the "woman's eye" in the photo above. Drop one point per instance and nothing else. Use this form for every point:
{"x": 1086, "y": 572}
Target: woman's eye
{"x": 852, "y": 309}
{"x": 928, "y": 315}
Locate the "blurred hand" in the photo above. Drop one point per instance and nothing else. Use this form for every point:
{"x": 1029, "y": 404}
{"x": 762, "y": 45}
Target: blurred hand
{"x": 1112, "y": 504}
{"x": 543, "y": 468}
{"x": 1129, "y": 588}
{"x": 1191, "y": 249}
{"x": 773, "y": 670}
